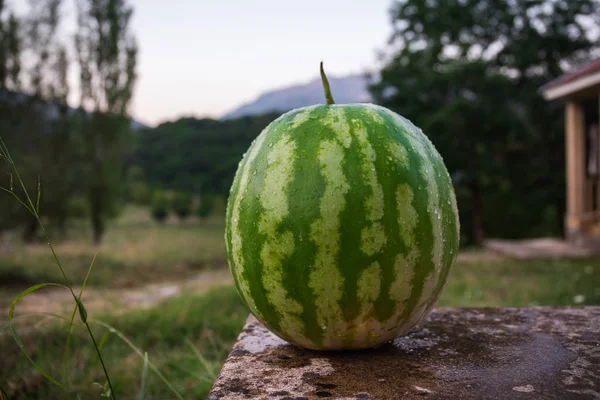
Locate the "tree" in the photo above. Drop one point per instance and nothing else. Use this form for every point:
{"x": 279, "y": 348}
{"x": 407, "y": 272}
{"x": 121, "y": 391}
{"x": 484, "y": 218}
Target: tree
{"x": 10, "y": 67}
{"x": 35, "y": 120}
{"x": 160, "y": 207}
{"x": 106, "y": 54}
{"x": 10, "y": 49}
{"x": 182, "y": 204}
{"x": 165, "y": 156}
{"x": 51, "y": 141}
{"x": 468, "y": 72}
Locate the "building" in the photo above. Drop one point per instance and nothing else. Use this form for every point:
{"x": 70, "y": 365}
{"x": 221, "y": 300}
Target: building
{"x": 580, "y": 90}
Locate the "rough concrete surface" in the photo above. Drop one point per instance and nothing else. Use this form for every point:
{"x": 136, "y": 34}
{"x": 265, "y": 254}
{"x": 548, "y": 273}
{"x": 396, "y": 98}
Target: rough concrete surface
{"x": 485, "y": 353}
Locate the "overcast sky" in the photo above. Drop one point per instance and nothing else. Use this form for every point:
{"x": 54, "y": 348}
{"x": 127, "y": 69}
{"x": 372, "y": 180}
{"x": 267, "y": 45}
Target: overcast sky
{"x": 204, "y": 57}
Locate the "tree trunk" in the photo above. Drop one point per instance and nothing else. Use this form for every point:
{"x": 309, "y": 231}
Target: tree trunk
{"x": 477, "y": 215}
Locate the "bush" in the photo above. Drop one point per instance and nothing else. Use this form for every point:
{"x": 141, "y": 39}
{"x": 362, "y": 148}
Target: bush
{"x": 182, "y": 204}
{"x": 160, "y": 207}
{"x": 139, "y": 193}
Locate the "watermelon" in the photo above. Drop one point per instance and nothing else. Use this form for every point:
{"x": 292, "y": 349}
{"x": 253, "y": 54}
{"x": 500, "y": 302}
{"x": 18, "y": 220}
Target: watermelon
{"x": 341, "y": 226}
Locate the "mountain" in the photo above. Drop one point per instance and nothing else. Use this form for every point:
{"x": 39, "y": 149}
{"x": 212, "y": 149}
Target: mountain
{"x": 348, "y": 89}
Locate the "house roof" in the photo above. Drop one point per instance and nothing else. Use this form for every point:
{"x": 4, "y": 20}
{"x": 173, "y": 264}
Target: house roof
{"x": 582, "y": 78}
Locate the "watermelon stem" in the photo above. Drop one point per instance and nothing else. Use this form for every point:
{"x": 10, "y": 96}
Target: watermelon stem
{"x": 326, "y": 88}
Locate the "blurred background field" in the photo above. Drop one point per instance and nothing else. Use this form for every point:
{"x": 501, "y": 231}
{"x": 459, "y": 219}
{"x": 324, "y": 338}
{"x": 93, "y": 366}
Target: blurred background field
{"x": 134, "y": 115}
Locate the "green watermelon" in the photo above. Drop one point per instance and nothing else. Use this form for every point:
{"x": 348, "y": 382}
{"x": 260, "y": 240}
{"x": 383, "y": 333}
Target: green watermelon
{"x": 341, "y": 226}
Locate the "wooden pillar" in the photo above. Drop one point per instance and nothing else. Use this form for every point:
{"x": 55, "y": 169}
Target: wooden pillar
{"x": 575, "y": 156}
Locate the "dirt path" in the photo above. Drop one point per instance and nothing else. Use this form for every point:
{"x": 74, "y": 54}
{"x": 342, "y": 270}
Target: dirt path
{"x": 123, "y": 299}
{"x": 119, "y": 300}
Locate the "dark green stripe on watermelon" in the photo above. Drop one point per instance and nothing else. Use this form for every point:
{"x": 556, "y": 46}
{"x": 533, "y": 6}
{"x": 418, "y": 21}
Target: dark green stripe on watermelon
{"x": 304, "y": 196}
{"x": 424, "y": 230}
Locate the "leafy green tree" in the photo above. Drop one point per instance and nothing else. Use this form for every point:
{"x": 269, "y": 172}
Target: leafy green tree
{"x": 52, "y": 143}
{"x": 107, "y": 56}
{"x": 35, "y": 120}
{"x": 197, "y": 155}
{"x": 10, "y": 49}
{"x": 10, "y": 65}
{"x": 468, "y": 72}
{"x": 160, "y": 207}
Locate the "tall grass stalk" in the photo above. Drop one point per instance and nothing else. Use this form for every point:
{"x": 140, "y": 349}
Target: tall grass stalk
{"x": 79, "y": 306}
{"x": 34, "y": 209}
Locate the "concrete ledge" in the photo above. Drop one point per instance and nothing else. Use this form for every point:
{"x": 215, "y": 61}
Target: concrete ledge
{"x": 491, "y": 353}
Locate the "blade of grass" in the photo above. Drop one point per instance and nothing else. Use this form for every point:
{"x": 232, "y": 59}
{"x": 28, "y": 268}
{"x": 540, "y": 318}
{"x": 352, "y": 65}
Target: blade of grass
{"x": 89, "y": 329}
{"x": 194, "y": 374}
{"x": 201, "y": 358}
{"x": 37, "y": 314}
{"x": 3, "y": 394}
{"x": 82, "y": 312}
{"x": 12, "y": 193}
{"x": 39, "y": 195}
{"x": 27, "y": 291}
{"x": 101, "y": 344}
{"x": 102, "y": 341}
{"x": 67, "y": 342}
{"x": 142, "y": 393}
{"x": 4, "y": 152}
{"x": 139, "y": 353}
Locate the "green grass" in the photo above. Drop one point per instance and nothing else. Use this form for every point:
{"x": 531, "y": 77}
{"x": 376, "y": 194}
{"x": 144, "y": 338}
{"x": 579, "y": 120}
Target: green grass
{"x": 210, "y": 322}
{"x": 498, "y": 282}
{"x": 138, "y": 251}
